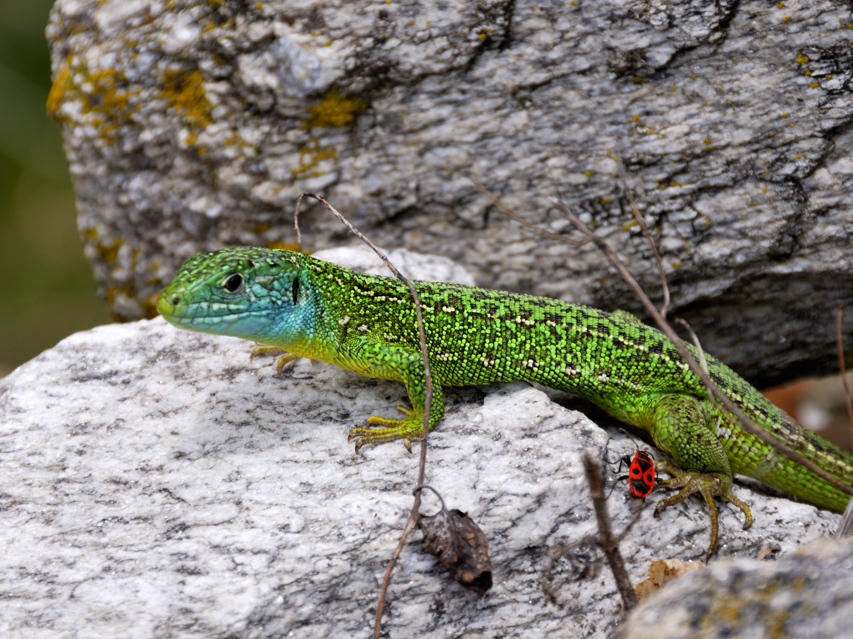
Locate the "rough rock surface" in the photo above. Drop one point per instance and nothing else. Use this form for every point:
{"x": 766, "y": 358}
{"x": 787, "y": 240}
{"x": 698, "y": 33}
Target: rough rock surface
{"x": 156, "y": 483}
{"x": 804, "y": 596}
{"x": 192, "y": 125}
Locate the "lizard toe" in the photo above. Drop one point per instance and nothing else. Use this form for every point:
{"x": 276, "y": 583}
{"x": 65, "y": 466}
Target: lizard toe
{"x": 408, "y": 430}
{"x": 691, "y": 482}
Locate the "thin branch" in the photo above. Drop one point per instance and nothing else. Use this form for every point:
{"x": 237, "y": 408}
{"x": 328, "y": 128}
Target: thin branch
{"x": 609, "y": 544}
{"x": 695, "y": 339}
{"x": 414, "y": 514}
{"x": 575, "y": 554}
{"x": 433, "y": 491}
{"x": 841, "y": 367}
{"x": 620, "y": 168}
{"x": 386, "y": 580}
{"x": 714, "y": 392}
{"x": 296, "y": 218}
{"x": 845, "y": 526}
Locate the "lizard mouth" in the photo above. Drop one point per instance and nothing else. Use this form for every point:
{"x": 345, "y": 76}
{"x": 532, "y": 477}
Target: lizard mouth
{"x": 166, "y": 304}
{"x": 210, "y": 318}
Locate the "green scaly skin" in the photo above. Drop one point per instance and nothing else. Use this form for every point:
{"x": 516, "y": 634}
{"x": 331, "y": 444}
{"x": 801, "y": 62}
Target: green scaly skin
{"x": 366, "y": 324}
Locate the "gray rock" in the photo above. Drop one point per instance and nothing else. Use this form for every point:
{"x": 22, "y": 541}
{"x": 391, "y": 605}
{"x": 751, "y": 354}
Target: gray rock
{"x": 807, "y": 595}
{"x": 412, "y": 265}
{"x": 157, "y": 483}
{"x": 189, "y": 126}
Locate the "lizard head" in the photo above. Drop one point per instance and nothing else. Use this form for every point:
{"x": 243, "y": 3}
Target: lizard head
{"x": 253, "y": 293}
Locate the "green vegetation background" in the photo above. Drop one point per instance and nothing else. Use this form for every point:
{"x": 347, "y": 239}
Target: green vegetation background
{"x": 47, "y": 290}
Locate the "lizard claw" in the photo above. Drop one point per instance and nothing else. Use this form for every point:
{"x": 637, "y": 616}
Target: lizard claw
{"x": 363, "y": 436}
{"x": 709, "y": 485}
{"x": 282, "y": 361}
{"x": 743, "y": 507}
{"x": 264, "y": 350}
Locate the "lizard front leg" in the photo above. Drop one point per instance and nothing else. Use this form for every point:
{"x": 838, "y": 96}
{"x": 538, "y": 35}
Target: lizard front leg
{"x": 681, "y": 427}
{"x": 263, "y": 350}
{"x": 401, "y": 363}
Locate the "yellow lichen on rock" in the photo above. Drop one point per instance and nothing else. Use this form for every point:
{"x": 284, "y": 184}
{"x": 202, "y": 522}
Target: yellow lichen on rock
{"x": 310, "y": 156}
{"x": 62, "y": 83}
{"x": 184, "y": 92}
{"x": 102, "y": 94}
{"x": 334, "y": 110}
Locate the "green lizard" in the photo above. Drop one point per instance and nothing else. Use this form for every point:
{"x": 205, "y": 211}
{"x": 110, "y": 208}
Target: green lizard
{"x": 366, "y": 324}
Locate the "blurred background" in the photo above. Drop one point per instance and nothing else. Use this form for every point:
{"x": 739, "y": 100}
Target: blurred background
{"x": 47, "y": 290}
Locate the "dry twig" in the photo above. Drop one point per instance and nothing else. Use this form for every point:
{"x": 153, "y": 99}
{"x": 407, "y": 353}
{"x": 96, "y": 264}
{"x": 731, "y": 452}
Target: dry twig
{"x": 511, "y": 214}
{"x": 841, "y": 367}
{"x": 695, "y": 341}
{"x": 581, "y": 557}
{"x": 414, "y": 514}
{"x": 845, "y": 526}
{"x": 608, "y": 542}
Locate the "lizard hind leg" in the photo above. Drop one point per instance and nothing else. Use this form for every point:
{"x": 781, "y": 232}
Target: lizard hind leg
{"x": 683, "y": 427}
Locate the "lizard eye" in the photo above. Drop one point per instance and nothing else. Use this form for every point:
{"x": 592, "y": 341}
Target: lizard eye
{"x": 234, "y": 283}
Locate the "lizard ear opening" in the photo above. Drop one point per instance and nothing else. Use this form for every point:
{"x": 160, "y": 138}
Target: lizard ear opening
{"x": 294, "y": 289}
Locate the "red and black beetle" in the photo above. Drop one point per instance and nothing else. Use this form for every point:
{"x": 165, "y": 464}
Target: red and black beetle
{"x": 641, "y": 474}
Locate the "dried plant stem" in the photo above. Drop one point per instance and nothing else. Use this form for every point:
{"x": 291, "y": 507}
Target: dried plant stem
{"x": 414, "y": 514}
{"x": 842, "y": 369}
{"x": 511, "y": 214}
{"x": 695, "y": 341}
{"x": 608, "y": 542}
{"x": 845, "y": 527}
